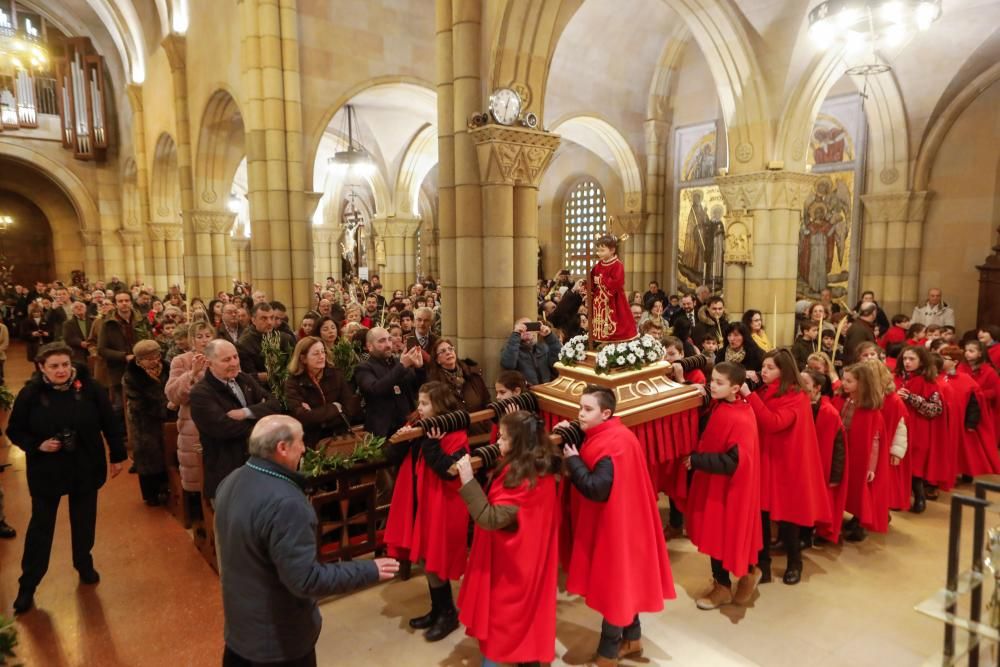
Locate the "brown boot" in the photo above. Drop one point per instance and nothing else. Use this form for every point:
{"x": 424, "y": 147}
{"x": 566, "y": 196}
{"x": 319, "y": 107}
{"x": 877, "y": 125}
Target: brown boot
{"x": 746, "y": 586}
{"x": 601, "y": 661}
{"x": 630, "y": 648}
{"x": 718, "y": 596}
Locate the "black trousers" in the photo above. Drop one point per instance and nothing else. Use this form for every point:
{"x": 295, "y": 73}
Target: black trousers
{"x": 42, "y": 526}
{"x": 788, "y": 533}
{"x": 151, "y": 486}
{"x": 721, "y": 574}
{"x": 231, "y": 659}
{"x": 612, "y": 635}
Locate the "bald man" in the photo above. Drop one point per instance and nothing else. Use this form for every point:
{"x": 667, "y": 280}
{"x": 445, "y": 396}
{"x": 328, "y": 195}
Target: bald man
{"x": 388, "y": 386}
{"x": 266, "y": 537}
{"x": 225, "y": 405}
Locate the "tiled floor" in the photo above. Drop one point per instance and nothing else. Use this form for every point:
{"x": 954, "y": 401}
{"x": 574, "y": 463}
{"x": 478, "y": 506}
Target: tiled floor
{"x": 159, "y": 604}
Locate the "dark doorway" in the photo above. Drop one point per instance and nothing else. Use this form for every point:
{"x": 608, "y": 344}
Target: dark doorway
{"x": 27, "y": 243}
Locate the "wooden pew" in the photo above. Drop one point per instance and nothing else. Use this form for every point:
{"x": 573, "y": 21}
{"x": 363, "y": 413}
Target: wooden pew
{"x": 176, "y": 504}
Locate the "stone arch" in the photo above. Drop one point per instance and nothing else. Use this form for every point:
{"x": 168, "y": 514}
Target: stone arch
{"x": 220, "y": 149}
{"x": 165, "y": 188}
{"x": 125, "y": 28}
{"x": 887, "y": 138}
{"x": 67, "y": 181}
{"x": 600, "y": 137}
{"x": 420, "y": 157}
{"x": 938, "y": 130}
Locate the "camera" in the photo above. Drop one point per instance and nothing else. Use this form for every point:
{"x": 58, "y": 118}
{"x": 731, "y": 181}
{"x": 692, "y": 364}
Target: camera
{"x": 67, "y": 438}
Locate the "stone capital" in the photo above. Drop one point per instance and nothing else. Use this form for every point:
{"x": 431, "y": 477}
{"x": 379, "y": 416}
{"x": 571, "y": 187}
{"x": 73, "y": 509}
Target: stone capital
{"x": 766, "y": 190}
{"x": 241, "y": 244}
{"x": 131, "y": 236}
{"x": 92, "y": 237}
{"x": 513, "y": 155}
{"x": 626, "y": 223}
{"x": 175, "y": 46}
{"x": 395, "y": 228}
{"x": 211, "y": 222}
{"x": 166, "y": 231}
{"x": 908, "y": 206}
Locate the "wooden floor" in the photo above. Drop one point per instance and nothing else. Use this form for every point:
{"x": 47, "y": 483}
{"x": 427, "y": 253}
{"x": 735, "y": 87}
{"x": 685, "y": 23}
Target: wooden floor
{"x": 158, "y": 603}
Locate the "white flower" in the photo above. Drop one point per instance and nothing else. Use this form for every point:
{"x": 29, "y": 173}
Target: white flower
{"x": 651, "y": 356}
{"x": 579, "y": 347}
{"x": 581, "y": 356}
{"x": 647, "y": 341}
{"x": 631, "y": 358}
{"x": 621, "y": 361}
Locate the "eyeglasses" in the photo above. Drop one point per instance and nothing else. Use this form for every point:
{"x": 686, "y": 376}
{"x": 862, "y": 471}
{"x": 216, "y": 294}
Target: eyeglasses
{"x": 444, "y": 350}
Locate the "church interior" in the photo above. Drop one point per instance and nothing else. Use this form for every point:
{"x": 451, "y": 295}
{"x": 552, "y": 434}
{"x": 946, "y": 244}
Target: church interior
{"x": 776, "y": 152}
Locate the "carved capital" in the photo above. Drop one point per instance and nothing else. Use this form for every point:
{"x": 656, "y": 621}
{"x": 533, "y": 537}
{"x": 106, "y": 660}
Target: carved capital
{"x": 175, "y": 46}
{"x": 212, "y": 222}
{"x": 767, "y": 190}
{"x": 131, "y": 236}
{"x": 166, "y": 231}
{"x": 241, "y": 244}
{"x": 626, "y": 223}
{"x": 896, "y": 206}
{"x": 513, "y": 155}
{"x": 395, "y": 228}
{"x": 92, "y": 238}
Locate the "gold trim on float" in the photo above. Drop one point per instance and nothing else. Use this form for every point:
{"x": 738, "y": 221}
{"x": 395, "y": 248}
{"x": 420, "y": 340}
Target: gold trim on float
{"x": 643, "y": 395}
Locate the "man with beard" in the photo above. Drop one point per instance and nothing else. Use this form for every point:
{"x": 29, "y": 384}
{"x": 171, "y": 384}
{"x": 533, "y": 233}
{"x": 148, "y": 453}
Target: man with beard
{"x": 388, "y": 386}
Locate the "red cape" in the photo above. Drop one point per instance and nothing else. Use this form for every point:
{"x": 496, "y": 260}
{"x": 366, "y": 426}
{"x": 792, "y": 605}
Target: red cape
{"x": 613, "y": 552}
{"x": 613, "y": 319}
{"x": 791, "y": 476}
{"x": 441, "y": 528}
{"x": 828, "y": 425}
{"x": 722, "y": 513}
{"x": 901, "y": 476}
{"x": 977, "y": 449}
{"x": 399, "y": 525}
{"x": 993, "y": 352}
{"x": 931, "y": 446}
{"x": 869, "y": 502}
{"x": 508, "y": 596}
{"x": 989, "y": 382}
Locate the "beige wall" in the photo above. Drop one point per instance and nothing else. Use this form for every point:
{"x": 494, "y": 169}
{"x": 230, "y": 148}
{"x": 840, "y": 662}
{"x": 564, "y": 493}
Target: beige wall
{"x": 962, "y": 217}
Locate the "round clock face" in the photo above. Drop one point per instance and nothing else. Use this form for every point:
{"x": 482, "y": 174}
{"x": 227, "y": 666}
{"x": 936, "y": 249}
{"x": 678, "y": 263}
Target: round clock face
{"x": 505, "y": 105}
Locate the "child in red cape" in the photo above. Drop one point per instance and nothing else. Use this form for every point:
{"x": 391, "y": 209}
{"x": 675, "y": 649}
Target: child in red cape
{"x": 614, "y": 554}
{"x": 793, "y": 489}
{"x": 977, "y": 449}
{"x": 436, "y": 530}
{"x": 832, "y": 449}
{"x": 673, "y": 476}
{"x": 894, "y": 419}
{"x": 868, "y": 479}
{"x": 931, "y": 450}
{"x": 984, "y": 373}
{"x": 723, "y": 506}
{"x": 508, "y": 596}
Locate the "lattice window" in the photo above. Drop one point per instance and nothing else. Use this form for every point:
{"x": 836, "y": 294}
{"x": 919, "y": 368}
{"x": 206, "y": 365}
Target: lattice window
{"x": 586, "y": 218}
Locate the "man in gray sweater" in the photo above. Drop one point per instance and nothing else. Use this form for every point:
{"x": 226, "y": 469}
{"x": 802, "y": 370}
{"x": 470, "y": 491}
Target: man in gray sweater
{"x": 265, "y": 532}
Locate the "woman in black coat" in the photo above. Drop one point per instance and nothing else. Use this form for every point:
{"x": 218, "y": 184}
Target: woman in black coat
{"x": 58, "y": 419}
{"x": 740, "y": 348}
{"x": 146, "y": 411}
{"x": 36, "y": 330}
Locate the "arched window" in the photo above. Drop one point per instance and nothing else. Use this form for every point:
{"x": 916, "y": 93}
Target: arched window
{"x": 586, "y": 218}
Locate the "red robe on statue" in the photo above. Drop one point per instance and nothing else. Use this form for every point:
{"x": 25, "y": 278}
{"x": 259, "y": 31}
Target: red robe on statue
{"x": 977, "y": 448}
{"x": 508, "y": 596}
{"x": 722, "y": 512}
{"x": 793, "y": 488}
{"x": 613, "y": 319}
{"x": 932, "y": 452}
{"x": 901, "y": 476}
{"x": 613, "y": 552}
{"x": 828, "y": 426}
{"x": 441, "y": 528}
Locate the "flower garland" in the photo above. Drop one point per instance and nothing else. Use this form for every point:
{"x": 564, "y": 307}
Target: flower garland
{"x": 631, "y": 355}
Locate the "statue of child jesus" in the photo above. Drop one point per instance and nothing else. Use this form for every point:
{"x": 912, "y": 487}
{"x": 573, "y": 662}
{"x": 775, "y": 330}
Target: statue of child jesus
{"x": 612, "y": 317}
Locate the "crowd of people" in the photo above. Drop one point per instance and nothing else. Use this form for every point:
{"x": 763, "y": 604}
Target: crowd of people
{"x": 861, "y": 416}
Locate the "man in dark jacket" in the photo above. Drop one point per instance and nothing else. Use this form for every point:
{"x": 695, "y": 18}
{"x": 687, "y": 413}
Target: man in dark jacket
{"x": 251, "y": 342}
{"x": 711, "y": 318}
{"x": 861, "y": 330}
{"x": 121, "y": 330}
{"x": 76, "y": 330}
{"x": 534, "y": 358}
{"x": 230, "y": 328}
{"x": 388, "y": 386}
{"x": 265, "y": 530}
{"x": 225, "y": 404}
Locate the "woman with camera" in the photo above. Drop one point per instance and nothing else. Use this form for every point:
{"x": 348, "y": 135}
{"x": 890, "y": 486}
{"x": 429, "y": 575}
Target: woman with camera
{"x": 58, "y": 420}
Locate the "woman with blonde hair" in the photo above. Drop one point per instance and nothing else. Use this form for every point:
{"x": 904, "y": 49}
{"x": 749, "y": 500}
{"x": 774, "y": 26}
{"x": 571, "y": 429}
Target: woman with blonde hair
{"x": 318, "y": 394}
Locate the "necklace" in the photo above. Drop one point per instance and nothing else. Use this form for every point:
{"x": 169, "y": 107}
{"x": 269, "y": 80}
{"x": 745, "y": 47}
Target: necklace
{"x": 272, "y": 473}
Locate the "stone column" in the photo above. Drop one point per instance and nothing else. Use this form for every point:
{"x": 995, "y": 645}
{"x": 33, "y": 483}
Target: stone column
{"x": 211, "y": 232}
{"x": 92, "y": 255}
{"x": 324, "y": 239}
{"x": 167, "y": 256}
{"x": 175, "y": 47}
{"x": 655, "y": 256}
{"x": 158, "y": 257}
{"x": 410, "y": 255}
{"x": 769, "y": 205}
{"x": 891, "y": 243}
{"x": 241, "y": 259}
{"x": 444, "y": 57}
{"x": 133, "y": 251}
{"x": 395, "y": 232}
{"x": 511, "y": 163}
{"x": 141, "y": 168}
{"x": 630, "y": 250}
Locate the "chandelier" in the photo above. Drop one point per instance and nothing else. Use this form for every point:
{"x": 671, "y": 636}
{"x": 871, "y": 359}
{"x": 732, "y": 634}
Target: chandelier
{"x": 20, "y": 49}
{"x": 353, "y": 160}
{"x": 5, "y": 222}
{"x": 861, "y": 26}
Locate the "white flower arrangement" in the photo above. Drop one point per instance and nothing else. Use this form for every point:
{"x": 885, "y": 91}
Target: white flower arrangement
{"x": 631, "y": 355}
{"x": 574, "y": 350}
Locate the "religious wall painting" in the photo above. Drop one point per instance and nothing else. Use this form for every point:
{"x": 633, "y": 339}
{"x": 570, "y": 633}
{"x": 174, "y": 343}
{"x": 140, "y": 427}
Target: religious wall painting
{"x": 697, "y": 153}
{"x": 701, "y": 235}
{"x": 825, "y": 236}
{"x": 830, "y": 142}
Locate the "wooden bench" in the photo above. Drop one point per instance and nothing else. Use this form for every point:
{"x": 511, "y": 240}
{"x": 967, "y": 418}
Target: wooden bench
{"x": 204, "y": 534}
{"x": 176, "y": 503}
